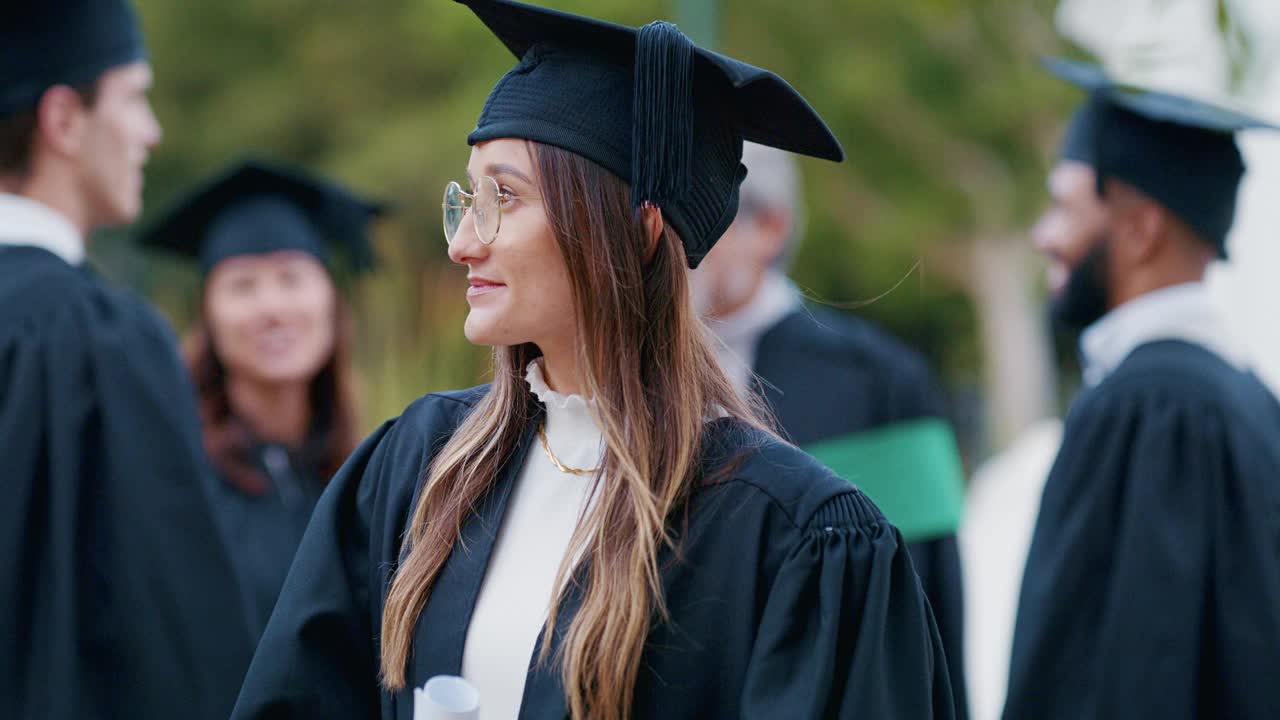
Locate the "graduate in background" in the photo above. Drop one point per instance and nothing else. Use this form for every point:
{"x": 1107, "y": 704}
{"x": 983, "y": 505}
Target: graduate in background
{"x": 1152, "y": 587}
{"x": 271, "y": 352}
{"x": 116, "y": 597}
{"x": 606, "y": 531}
{"x": 837, "y": 386}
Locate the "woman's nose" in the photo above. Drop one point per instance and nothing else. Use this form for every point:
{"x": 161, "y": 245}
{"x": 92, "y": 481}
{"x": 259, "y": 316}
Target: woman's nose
{"x": 465, "y": 247}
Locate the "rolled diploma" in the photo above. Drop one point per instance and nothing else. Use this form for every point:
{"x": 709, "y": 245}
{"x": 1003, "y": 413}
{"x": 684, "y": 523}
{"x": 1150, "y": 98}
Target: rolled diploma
{"x": 446, "y": 697}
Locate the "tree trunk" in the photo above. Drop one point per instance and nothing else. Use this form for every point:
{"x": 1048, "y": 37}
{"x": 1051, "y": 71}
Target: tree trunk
{"x": 1019, "y": 376}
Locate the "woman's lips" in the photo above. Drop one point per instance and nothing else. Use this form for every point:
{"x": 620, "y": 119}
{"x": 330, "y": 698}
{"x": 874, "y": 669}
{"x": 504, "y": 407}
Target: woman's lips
{"x": 275, "y": 341}
{"x": 480, "y": 286}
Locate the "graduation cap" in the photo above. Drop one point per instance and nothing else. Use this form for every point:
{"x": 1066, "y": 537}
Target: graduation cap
{"x": 647, "y": 104}
{"x": 62, "y": 42}
{"x": 1180, "y": 151}
{"x": 256, "y": 207}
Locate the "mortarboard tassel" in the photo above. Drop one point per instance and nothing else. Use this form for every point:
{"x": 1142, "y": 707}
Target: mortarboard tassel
{"x": 662, "y": 115}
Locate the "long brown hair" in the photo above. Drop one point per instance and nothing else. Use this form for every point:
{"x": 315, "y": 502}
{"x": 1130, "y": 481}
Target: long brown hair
{"x": 229, "y": 441}
{"x": 647, "y": 364}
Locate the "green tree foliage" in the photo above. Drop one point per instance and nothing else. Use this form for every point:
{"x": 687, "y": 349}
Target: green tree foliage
{"x": 944, "y": 114}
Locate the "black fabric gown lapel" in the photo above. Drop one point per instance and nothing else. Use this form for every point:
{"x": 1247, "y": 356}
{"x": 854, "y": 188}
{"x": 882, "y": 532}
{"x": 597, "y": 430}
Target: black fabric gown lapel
{"x": 441, "y": 634}
{"x": 543, "y": 692}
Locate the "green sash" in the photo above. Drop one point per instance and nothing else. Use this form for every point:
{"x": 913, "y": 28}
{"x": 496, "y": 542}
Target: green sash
{"x": 910, "y": 469}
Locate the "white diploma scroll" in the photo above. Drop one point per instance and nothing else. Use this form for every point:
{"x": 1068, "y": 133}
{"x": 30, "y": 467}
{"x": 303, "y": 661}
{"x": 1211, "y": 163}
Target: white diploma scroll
{"x": 446, "y": 697}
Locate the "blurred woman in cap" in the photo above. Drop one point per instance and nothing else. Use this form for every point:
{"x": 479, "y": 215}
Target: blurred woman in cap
{"x": 270, "y": 353}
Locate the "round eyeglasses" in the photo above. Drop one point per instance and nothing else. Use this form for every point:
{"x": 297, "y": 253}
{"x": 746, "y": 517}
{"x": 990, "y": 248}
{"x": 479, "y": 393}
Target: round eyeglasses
{"x": 485, "y": 204}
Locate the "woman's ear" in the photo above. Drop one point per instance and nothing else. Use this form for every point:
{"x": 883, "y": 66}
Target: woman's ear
{"x": 653, "y": 226}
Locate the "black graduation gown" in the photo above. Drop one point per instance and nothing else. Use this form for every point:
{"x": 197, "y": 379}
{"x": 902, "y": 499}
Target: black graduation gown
{"x": 116, "y": 597}
{"x": 793, "y": 597}
{"x": 827, "y": 374}
{"x": 262, "y": 532}
{"x": 1152, "y": 588}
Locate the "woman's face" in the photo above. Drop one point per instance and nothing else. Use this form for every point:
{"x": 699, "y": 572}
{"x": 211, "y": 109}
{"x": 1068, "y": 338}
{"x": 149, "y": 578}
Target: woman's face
{"x": 271, "y": 316}
{"x": 519, "y": 285}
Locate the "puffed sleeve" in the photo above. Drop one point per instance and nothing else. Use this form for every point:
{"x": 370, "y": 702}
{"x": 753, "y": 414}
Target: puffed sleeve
{"x": 847, "y": 631}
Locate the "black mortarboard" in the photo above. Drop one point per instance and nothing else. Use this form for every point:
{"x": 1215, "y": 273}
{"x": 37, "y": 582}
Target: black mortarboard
{"x": 1182, "y": 152}
{"x": 257, "y": 207}
{"x": 646, "y": 104}
{"x": 62, "y": 42}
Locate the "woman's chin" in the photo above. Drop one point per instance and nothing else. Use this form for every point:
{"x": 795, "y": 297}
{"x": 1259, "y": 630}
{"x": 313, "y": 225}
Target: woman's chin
{"x": 284, "y": 377}
{"x": 477, "y": 331}
{"x": 480, "y": 331}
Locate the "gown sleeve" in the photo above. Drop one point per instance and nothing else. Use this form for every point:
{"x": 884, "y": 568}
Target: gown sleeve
{"x": 318, "y": 655}
{"x": 1150, "y": 588}
{"x": 937, "y": 562}
{"x": 847, "y": 631}
{"x": 118, "y": 598}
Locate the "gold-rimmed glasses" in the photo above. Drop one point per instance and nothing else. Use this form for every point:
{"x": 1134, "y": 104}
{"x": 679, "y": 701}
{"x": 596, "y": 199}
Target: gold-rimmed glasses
{"x": 485, "y": 204}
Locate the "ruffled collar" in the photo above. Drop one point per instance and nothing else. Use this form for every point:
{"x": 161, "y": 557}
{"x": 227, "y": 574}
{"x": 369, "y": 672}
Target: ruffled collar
{"x": 538, "y": 384}
{"x": 572, "y": 431}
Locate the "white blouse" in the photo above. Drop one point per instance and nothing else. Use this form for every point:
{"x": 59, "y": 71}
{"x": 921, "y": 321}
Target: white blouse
{"x": 541, "y": 516}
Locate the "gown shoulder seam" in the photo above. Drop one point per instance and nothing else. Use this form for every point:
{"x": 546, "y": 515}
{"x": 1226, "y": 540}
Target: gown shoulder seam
{"x": 846, "y": 508}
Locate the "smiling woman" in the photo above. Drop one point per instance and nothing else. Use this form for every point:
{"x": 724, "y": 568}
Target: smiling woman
{"x": 608, "y": 530}
{"x": 270, "y": 354}
{"x": 516, "y": 290}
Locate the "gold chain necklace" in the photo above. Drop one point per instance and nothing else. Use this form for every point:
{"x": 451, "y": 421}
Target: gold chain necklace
{"x": 546, "y": 448}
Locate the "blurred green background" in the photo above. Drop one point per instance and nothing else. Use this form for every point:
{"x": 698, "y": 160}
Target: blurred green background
{"x": 947, "y": 120}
